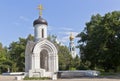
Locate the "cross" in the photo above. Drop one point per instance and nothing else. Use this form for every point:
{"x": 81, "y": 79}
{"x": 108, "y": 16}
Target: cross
{"x": 40, "y": 7}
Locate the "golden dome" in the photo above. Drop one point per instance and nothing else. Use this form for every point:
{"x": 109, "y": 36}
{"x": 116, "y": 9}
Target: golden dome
{"x": 71, "y": 37}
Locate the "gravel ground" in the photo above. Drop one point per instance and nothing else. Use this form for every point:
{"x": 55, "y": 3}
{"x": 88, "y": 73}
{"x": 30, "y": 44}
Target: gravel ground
{"x": 12, "y": 78}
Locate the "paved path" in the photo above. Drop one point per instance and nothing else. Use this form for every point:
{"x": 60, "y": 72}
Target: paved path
{"x": 12, "y": 78}
{"x": 7, "y": 78}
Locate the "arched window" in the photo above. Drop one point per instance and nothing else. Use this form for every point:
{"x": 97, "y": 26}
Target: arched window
{"x": 42, "y": 33}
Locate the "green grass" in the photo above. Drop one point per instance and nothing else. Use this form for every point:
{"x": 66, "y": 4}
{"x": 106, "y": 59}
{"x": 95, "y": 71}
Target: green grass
{"x": 108, "y": 73}
{"x": 37, "y": 78}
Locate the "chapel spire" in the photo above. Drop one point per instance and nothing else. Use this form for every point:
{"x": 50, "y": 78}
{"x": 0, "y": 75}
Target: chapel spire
{"x": 40, "y": 8}
{"x": 40, "y": 26}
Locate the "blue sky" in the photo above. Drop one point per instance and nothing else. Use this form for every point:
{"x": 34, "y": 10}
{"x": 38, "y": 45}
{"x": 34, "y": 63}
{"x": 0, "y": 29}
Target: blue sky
{"x": 63, "y": 16}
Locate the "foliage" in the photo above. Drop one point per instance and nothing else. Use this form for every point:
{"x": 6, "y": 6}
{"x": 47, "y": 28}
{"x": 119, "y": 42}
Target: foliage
{"x": 66, "y": 62}
{"x": 37, "y": 78}
{"x": 4, "y": 62}
{"x": 76, "y": 62}
{"x": 72, "y": 68}
{"x": 100, "y": 42}
{"x": 17, "y": 54}
{"x": 13, "y": 57}
{"x": 65, "y": 58}
{"x": 52, "y": 38}
{"x": 2, "y": 53}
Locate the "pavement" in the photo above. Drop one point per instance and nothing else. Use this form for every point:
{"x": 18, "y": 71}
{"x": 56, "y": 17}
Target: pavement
{"x": 12, "y": 78}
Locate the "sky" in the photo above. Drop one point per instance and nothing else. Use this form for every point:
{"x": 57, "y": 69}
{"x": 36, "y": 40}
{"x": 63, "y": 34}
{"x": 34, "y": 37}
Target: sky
{"x": 63, "y": 17}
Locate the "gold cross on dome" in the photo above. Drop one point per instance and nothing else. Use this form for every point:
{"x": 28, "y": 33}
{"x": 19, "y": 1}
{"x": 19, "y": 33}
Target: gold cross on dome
{"x": 40, "y": 7}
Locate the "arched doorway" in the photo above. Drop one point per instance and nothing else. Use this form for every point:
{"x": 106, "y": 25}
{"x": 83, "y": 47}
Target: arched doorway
{"x": 44, "y": 59}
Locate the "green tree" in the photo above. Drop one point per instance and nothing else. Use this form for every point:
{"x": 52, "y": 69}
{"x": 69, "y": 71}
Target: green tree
{"x": 17, "y": 53}
{"x": 4, "y": 61}
{"x": 2, "y": 53}
{"x": 76, "y": 62}
{"x": 100, "y": 42}
{"x": 65, "y": 58}
{"x": 52, "y": 38}
{"x": 30, "y": 38}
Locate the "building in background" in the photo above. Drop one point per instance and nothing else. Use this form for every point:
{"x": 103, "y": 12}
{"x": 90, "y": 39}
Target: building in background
{"x": 72, "y": 46}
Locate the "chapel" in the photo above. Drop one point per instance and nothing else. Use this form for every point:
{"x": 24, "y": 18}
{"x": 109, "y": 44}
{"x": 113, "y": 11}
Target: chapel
{"x": 41, "y": 56}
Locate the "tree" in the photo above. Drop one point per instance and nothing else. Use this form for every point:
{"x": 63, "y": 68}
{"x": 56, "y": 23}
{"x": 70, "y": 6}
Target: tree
{"x": 76, "y": 62}
{"x": 100, "y": 42}
{"x": 4, "y": 61}
{"x": 2, "y": 53}
{"x": 65, "y": 58}
{"x": 17, "y": 53}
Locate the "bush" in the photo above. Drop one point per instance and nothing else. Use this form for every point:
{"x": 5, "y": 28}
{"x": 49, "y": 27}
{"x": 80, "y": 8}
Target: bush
{"x": 72, "y": 68}
{"x": 37, "y": 78}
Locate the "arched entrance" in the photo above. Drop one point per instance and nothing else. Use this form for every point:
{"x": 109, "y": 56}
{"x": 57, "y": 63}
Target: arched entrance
{"x": 44, "y": 60}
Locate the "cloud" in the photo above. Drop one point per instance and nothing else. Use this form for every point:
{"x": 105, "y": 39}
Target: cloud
{"x": 63, "y": 39}
{"x": 23, "y": 18}
{"x": 50, "y": 28}
{"x": 16, "y": 23}
{"x": 75, "y": 33}
{"x": 62, "y": 33}
{"x": 65, "y": 36}
{"x": 67, "y": 28}
{"x": 68, "y": 33}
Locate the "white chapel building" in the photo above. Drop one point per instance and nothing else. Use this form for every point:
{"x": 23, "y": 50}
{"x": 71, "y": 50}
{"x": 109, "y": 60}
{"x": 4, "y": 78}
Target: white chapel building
{"x": 41, "y": 56}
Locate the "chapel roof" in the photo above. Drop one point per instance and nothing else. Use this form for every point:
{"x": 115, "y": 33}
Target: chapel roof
{"x": 40, "y": 20}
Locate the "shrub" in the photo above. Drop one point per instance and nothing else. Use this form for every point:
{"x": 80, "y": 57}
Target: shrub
{"x": 37, "y": 78}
